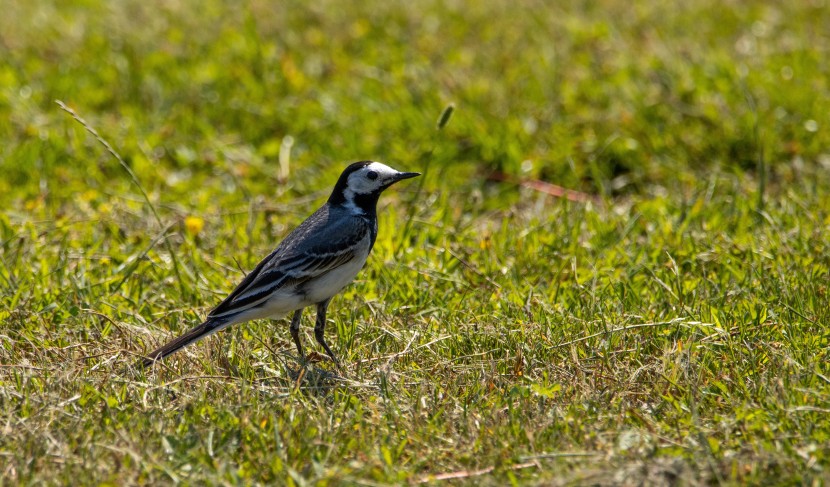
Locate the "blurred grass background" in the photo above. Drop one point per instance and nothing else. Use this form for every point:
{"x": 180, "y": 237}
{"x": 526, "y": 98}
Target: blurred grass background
{"x": 487, "y": 338}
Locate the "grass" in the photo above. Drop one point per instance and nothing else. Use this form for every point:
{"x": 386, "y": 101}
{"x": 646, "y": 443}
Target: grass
{"x": 673, "y": 329}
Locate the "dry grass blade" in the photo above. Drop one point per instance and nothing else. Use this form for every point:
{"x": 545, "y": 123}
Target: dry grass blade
{"x": 676, "y": 321}
{"x": 463, "y": 474}
{"x": 89, "y": 128}
{"x": 545, "y": 187}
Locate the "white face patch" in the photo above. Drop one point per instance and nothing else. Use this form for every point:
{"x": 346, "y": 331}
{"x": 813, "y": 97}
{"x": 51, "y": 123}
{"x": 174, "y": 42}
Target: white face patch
{"x": 370, "y": 179}
{"x": 365, "y": 184}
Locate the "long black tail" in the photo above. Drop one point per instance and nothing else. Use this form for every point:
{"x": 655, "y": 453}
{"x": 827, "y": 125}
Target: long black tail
{"x": 207, "y": 328}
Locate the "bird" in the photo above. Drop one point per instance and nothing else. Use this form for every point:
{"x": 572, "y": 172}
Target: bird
{"x": 310, "y": 266}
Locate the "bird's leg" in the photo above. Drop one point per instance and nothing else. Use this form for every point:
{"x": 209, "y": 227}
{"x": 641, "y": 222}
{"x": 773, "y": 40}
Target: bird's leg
{"x": 320, "y": 327}
{"x": 295, "y": 332}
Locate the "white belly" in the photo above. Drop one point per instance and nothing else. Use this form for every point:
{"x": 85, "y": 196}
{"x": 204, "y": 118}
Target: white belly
{"x": 329, "y": 284}
{"x": 320, "y": 288}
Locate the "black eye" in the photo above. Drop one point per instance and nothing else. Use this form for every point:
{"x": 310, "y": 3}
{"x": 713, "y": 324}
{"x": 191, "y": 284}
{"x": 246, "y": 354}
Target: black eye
{"x": 372, "y": 175}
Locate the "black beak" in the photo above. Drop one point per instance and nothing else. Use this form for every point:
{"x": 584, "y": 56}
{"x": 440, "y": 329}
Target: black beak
{"x": 405, "y": 175}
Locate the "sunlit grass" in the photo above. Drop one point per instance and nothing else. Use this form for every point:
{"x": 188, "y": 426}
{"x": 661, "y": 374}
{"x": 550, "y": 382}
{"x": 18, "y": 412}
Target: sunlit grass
{"x": 670, "y": 327}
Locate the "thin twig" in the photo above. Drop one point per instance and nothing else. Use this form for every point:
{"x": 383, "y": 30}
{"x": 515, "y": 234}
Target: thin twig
{"x": 375, "y": 359}
{"x": 463, "y": 474}
{"x": 810, "y": 409}
{"x": 632, "y": 327}
{"x": 545, "y": 187}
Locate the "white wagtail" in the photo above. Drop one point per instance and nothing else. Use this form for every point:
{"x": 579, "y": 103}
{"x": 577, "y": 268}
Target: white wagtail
{"x": 310, "y": 266}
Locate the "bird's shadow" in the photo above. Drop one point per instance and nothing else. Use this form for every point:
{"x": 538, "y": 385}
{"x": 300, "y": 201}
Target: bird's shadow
{"x": 313, "y": 380}
{"x": 305, "y": 376}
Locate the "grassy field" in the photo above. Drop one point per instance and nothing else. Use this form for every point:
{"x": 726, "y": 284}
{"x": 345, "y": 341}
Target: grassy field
{"x": 670, "y": 328}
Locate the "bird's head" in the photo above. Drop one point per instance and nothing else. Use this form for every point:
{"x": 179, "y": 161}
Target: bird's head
{"x": 361, "y": 183}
